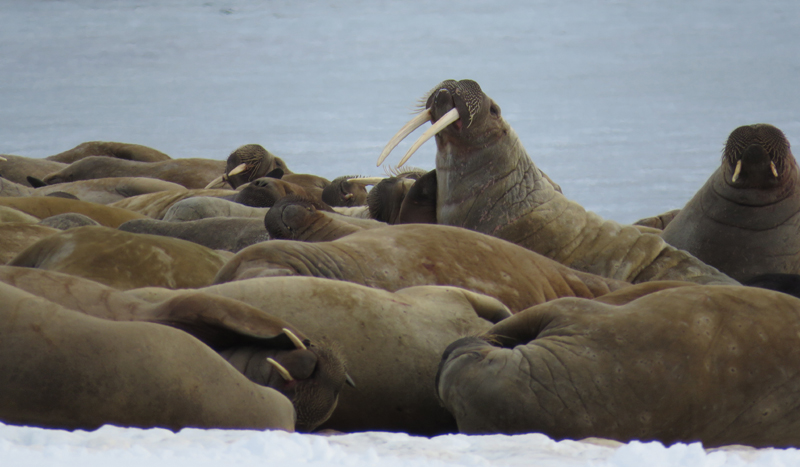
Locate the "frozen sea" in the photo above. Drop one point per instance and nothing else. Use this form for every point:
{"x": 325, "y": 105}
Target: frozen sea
{"x": 625, "y": 104}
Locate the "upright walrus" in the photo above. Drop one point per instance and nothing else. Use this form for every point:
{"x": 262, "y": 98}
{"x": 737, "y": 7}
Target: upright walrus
{"x": 487, "y": 182}
{"x": 744, "y": 221}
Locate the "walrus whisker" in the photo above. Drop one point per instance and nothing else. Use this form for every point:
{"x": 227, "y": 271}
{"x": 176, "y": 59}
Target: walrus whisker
{"x": 774, "y": 170}
{"x": 737, "y": 170}
{"x": 295, "y": 340}
{"x": 440, "y": 125}
{"x": 366, "y": 180}
{"x": 407, "y": 129}
{"x": 283, "y": 371}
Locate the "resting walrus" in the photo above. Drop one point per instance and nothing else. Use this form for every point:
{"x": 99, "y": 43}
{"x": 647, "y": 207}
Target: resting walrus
{"x": 487, "y": 182}
{"x": 63, "y": 369}
{"x": 744, "y": 221}
{"x": 714, "y": 364}
{"x": 400, "y": 256}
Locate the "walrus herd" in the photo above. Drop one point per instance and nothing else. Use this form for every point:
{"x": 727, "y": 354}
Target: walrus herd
{"x": 145, "y": 291}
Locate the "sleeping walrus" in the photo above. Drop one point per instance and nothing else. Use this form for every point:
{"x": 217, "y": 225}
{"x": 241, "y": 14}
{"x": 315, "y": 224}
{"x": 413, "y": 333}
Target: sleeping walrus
{"x": 714, "y": 364}
{"x": 745, "y": 220}
{"x": 400, "y": 256}
{"x": 487, "y": 182}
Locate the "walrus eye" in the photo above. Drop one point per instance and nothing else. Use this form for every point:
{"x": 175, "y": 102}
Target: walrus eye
{"x": 494, "y": 110}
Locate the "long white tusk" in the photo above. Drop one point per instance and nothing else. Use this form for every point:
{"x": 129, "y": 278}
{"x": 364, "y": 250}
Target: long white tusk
{"x": 3, "y": 159}
{"x": 774, "y": 170}
{"x": 215, "y": 182}
{"x": 366, "y": 180}
{"x": 440, "y": 125}
{"x": 736, "y": 171}
{"x": 407, "y": 129}
{"x": 296, "y": 340}
{"x": 237, "y": 170}
{"x": 283, "y": 371}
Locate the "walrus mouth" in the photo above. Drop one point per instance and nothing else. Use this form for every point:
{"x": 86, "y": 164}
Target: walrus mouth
{"x": 412, "y": 125}
{"x": 738, "y": 170}
{"x": 220, "y": 181}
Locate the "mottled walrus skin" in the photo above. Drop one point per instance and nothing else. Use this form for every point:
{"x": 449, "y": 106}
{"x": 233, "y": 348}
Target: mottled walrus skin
{"x": 47, "y": 206}
{"x": 487, "y": 183}
{"x": 242, "y": 334}
{"x": 156, "y": 205}
{"x": 15, "y": 237}
{"x": 303, "y": 219}
{"x": 392, "y": 342}
{"x": 747, "y": 225}
{"x": 229, "y": 233}
{"x": 396, "y": 257}
{"x": 190, "y": 173}
{"x": 714, "y": 364}
{"x": 18, "y": 168}
{"x": 63, "y": 369}
{"x": 127, "y": 151}
{"x": 109, "y": 190}
{"x": 204, "y": 207}
{"x": 123, "y": 260}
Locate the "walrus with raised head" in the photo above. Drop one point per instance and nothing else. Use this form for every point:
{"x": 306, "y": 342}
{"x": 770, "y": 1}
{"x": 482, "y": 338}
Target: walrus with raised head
{"x": 745, "y": 220}
{"x": 710, "y": 364}
{"x": 64, "y": 369}
{"x": 486, "y": 182}
{"x": 400, "y": 256}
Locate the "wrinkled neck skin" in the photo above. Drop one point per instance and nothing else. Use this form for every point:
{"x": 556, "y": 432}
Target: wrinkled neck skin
{"x": 487, "y": 188}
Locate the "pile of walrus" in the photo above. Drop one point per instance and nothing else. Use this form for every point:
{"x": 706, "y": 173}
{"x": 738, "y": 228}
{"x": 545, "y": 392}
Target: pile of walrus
{"x": 141, "y": 290}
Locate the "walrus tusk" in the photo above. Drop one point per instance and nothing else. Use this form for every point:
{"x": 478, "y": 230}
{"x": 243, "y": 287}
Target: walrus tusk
{"x": 349, "y": 381}
{"x": 440, "y": 125}
{"x": 366, "y": 180}
{"x": 407, "y": 129}
{"x": 3, "y": 159}
{"x": 774, "y": 170}
{"x": 283, "y": 371}
{"x": 295, "y": 340}
{"x": 224, "y": 177}
{"x": 737, "y": 170}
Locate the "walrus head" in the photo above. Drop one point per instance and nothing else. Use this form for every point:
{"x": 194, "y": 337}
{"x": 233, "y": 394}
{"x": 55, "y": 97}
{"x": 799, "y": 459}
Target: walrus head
{"x": 345, "y": 191}
{"x": 293, "y": 216}
{"x": 248, "y": 163}
{"x": 756, "y": 156}
{"x": 461, "y": 114}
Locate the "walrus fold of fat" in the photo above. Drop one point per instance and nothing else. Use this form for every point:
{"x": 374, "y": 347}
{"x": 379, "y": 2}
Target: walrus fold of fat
{"x": 487, "y": 183}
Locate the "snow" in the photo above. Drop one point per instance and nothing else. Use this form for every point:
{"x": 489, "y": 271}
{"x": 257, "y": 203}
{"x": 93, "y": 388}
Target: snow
{"x": 626, "y": 104}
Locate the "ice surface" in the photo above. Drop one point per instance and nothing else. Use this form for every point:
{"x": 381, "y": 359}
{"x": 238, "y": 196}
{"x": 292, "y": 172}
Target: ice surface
{"x": 625, "y": 104}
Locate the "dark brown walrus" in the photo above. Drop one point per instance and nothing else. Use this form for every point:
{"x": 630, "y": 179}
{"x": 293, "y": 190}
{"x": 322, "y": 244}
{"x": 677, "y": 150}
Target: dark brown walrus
{"x": 487, "y": 182}
{"x": 714, "y": 364}
{"x": 243, "y": 335}
{"x": 190, "y": 173}
{"x": 400, "y": 256}
{"x": 249, "y": 162}
{"x": 47, "y": 206}
{"x": 63, "y": 369}
{"x": 745, "y": 221}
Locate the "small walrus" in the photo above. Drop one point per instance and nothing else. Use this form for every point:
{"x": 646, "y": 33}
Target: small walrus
{"x": 745, "y": 220}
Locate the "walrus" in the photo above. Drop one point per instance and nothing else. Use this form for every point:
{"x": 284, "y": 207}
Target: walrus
{"x": 18, "y": 168}
{"x": 9, "y": 214}
{"x": 63, "y": 369}
{"x": 419, "y": 204}
{"x": 744, "y": 221}
{"x": 70, "y": 220}
{"x": 127, "y": 151}
{"x": 266, "y": 191}
{"x": 486, "y": 182}
{"x": 109, "y": 190}
{"x": 310, "y": 374}
{"x": 123, "y": 260}
{"x": 659, "y": 222}
{"x": 190, "y": 173}
{"x": 297, "y": 218}
{"x": 386, "y": 198}
{"x": 156, "y": 205}
{"x": 204, "y": 207}
{"x": 392, "y": 342}
{"x": 46, "y": 206}
{"x": 710, "y": 364}
{"x": 229, "y": 234}
{"x": 247, "y": 163}
{"x": 400, "y": 256}
{"x": 345, "y": 191}
{"x": 9, "y": 188}
{"x": 15, "y": 237}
